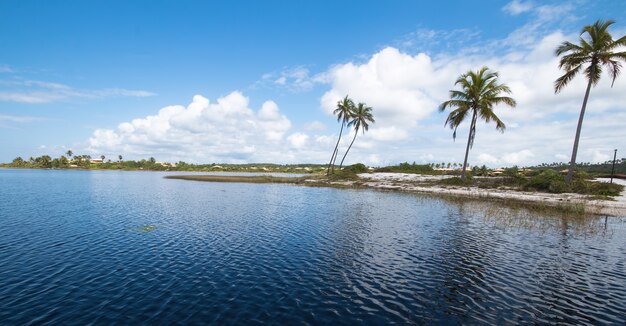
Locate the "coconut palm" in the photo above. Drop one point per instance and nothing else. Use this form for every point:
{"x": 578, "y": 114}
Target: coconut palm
{"x": 480, "y": 92}
{"x": 120, "y": 157}
{"x": 362, "y": 115}
{"x": 344, "y": 114}
{"x": 69, "y": 153}
{"x": 595, "y": 51}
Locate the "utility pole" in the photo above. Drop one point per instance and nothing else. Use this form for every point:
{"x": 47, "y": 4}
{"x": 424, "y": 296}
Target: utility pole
{"x": 613, "y": 168}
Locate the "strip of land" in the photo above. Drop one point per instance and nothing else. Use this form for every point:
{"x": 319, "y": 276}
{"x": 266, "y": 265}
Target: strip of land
{"x": 429, "y": 184}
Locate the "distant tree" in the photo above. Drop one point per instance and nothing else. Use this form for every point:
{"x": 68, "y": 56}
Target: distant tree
{"x": 152, "y": 160}
{"x": 102, "y": 158}
{"x": 361, "y": 118}
{"x": 44, "y": 161}
{"x": 17, "y": 162}
{"x": 119, "y": 157}
{"x": 69, "y": 153}
{"x": 480, "y": 92}
{"x": 596, "y": 50}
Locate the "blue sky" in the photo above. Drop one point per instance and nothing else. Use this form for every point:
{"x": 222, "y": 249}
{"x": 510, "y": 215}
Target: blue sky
{"x": 87, "y": 75}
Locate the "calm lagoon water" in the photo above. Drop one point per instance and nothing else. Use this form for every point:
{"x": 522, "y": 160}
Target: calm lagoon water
{"x": 75, "y": 249}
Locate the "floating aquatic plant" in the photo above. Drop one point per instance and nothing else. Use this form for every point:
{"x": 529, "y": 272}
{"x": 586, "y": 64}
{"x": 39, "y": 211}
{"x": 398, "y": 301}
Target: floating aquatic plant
{"x": 145, "y": 228}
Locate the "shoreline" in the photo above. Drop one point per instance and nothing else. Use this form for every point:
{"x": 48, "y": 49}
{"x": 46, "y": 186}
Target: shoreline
{"x": 408, "y": 183}
{"x": 416, "y": 183}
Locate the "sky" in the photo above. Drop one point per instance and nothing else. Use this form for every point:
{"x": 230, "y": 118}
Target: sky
{"x": 257, "y": 81}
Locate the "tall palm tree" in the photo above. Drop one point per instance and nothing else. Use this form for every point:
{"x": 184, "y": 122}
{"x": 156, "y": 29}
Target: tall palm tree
{"x": 596, "y": 50}
{"x": 119, "y": 157}
{"x": 344, "y": 112}
{"x": 362, "y": 115}
{"x": 480, "y": 92}
{"x": 69, "y": 153}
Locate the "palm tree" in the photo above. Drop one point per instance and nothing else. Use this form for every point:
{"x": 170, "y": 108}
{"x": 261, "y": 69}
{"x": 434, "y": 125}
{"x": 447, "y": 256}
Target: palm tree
{"x": 102, "y": 158}
{"x": 596, "y": 50}
{"x": 361, "y": 116}
{"x": 69, "y": 153}
{"x": 119, "y": 157}
{"x": 344, "y": 113}
{"x": 480, "y": 92}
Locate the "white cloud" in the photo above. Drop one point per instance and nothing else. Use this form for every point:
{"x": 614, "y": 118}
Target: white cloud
{"x": 6, "y": 69}
{"x": 294, "y": 79}
{"x": 315, "y": 126}
{"x": 19, "y": 118}
{"x": 517, "y": 7}
{"x": 226, "y": 131}
{"x": 298, "y": 140}
{"x": 36, "y": 92}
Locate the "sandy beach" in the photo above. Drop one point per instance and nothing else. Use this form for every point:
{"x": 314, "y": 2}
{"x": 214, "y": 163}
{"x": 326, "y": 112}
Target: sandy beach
{"x": 418, "y": 183}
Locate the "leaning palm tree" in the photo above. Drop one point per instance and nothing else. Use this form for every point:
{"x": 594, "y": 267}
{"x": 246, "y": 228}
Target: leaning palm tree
{"x": 344, "y": 114}
{"x": 596, "y": 50}
{"x": 480, "y": 92}
{"x": 362, "y": 115}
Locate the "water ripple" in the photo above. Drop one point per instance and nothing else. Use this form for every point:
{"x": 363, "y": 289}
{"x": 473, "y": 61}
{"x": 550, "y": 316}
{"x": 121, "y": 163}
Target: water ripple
{"x": 70, "y": 253}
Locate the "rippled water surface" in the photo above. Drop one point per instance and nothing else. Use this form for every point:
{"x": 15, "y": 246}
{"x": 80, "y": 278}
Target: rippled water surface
{"x": 102, "y": 247}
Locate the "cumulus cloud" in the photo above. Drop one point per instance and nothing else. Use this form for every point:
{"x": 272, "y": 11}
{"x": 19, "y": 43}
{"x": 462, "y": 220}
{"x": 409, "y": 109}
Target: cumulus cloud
{"x": 225, "y": 131}
{"x": 36, "y": 92}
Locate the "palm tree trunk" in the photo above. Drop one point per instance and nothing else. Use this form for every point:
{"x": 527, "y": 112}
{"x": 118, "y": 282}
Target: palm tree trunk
{"x": 572, "y": 162}
{"x": 469, "y": 141}
{"x": 332, "y": 158}
{"x": 356, "y": 132}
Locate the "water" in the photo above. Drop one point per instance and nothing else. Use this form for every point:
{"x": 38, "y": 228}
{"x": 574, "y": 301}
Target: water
{"x": 73, "y": 251}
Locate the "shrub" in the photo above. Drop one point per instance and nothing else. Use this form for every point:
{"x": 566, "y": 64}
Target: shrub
{"x": 547, "y": 180}
{"x": 408, "y": 168}
{"x": 457, "y": 181}
{"x": 344, "y": 174}
{"x": 357, "y": 168}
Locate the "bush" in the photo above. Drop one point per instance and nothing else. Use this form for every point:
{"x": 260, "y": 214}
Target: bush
{"x": 344, "y": 174}
{"x": 409, "y": 168}
{"x": 357, "y": 168}
{"x": 547, "y": 180}
{"x": 457, "y": 181}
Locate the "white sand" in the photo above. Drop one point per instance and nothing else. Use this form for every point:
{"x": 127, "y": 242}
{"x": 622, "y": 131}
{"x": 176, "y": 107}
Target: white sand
{"x": 414, "y": 183}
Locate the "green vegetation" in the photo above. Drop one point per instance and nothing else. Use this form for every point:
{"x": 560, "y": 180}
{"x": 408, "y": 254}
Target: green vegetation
{"x": 596, "y": 169}
{"x": 479, "y": 93}
{"x": 85, "y": 162}
{"x": 546, "y": 180}
{"x": 145, "y": 228}
{"x": 410, "y": 168}
{"x": 596, "y": 50}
